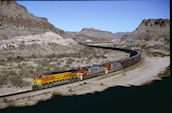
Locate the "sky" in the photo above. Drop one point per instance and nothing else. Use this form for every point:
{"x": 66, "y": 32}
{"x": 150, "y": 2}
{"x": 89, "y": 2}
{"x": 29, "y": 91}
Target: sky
{"x": 113, "y": 16}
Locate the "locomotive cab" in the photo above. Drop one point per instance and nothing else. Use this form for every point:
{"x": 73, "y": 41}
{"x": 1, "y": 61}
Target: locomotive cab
{"x": 38, "y": 80}
{"x": 82, "y": 72}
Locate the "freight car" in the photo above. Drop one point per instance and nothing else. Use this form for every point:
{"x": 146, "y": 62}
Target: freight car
{"x": 115, "y": 66}
{"x": 58, "y": 78}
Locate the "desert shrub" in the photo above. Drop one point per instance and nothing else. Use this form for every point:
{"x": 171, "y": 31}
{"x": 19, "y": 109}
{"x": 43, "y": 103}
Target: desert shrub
{"x": 160, "y": 54}
{"x": 58, "y": 63}
{"x": 20, "y": 66}
{"x": 32, "y": 56}
{"x": 56, "y": 68}
{"x": 85, "y": 83}
{"x": 26, "y": 72}
{"x": 166, "y": 72}
{"x": 10, "y": 59}
{"x": 2, "y": 60}
{"x": 101, "y": 84}
{"x": 50, "y": 69}
{"x": 69, "y": 61}
{"x": 86, "y": 51}
{"x": 61, "y": 55}
{"x": 78, "y": 60}
{"x": 15, "y": 80}
{"x": 144, "y": 46}
{"x": 45, "y": 64}
{"x": 51, "y": 55}
{"x": 70, "y": 90}
{"x": 61, "y": 69}
{"x": 20, "y": 58}
{"x": 3, "y": 80}
{"x": 40, "y": 69}
{"x": 62, "y": 60}
{"x": 57, "y": 93}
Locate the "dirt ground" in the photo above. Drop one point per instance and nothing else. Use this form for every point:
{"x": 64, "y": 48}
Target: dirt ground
{"x": 144, "y": 72}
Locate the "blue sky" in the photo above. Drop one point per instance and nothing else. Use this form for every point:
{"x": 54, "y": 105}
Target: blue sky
{"x": 114, "y": 16}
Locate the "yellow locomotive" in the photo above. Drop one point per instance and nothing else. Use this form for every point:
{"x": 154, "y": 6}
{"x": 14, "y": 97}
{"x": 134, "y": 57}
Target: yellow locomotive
{"x": 54, "y": 78}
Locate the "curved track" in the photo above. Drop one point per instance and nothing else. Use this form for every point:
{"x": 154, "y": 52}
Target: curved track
{"x": 134, "y": 54}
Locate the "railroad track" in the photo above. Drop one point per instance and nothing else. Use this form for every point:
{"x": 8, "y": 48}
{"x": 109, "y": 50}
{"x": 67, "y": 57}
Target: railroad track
{"x": 132, "y": 53}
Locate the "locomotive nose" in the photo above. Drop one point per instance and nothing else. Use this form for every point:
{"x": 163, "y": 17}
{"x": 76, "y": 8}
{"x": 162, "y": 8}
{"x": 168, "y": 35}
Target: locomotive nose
{"x": 37, "y": 81}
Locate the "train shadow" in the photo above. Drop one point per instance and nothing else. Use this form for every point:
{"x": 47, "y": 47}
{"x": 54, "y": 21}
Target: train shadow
{"x": 151, "y": 98}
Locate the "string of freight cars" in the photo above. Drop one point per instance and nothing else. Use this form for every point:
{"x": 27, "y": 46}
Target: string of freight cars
{"x": 47, "y": 80}
{"x": 57, "y": 78}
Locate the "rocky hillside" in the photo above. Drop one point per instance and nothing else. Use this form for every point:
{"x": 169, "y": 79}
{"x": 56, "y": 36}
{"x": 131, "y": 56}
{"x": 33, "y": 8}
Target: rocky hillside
{"x": 148, "y": 28}
{"x": 30, "y": 45}
{"x": 15, "y": 20}
{"x": 91, "y": 34}
{"x": 150, "y": 33}
{"x": 23, "y": 57}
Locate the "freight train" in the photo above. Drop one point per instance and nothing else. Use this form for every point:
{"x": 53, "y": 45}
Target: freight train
{"x": 58, "y": 78}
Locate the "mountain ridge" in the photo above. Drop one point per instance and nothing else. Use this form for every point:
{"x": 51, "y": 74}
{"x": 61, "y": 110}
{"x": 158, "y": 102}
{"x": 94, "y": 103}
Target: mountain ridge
{"x": 16, "y": 18}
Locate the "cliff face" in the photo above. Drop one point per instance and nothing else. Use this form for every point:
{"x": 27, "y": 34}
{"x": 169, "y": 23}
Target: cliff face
{"x": 151, "y": 33}
{"x": 14, "y": 18}
{"x": 151, "y": 29}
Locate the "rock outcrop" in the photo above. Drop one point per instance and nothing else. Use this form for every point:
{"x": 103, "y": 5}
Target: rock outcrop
{"x": 151, "y": 29}
{"x": 151, "y": 33}
{"x": 15, "y": 20}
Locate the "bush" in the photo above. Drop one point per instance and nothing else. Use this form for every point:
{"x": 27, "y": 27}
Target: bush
{"x": 3, "y": 80}
{"x": 101, "y": 84}
{"x": 166, "y": 72}
{"x": 70, "y": 90}
{"x": 15, "y": 80}
{"x": 69, "y": 61}
{"x": 20, "y": 58}
{"x": 85, "y": 83}
{"x": 45, "y": 64}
